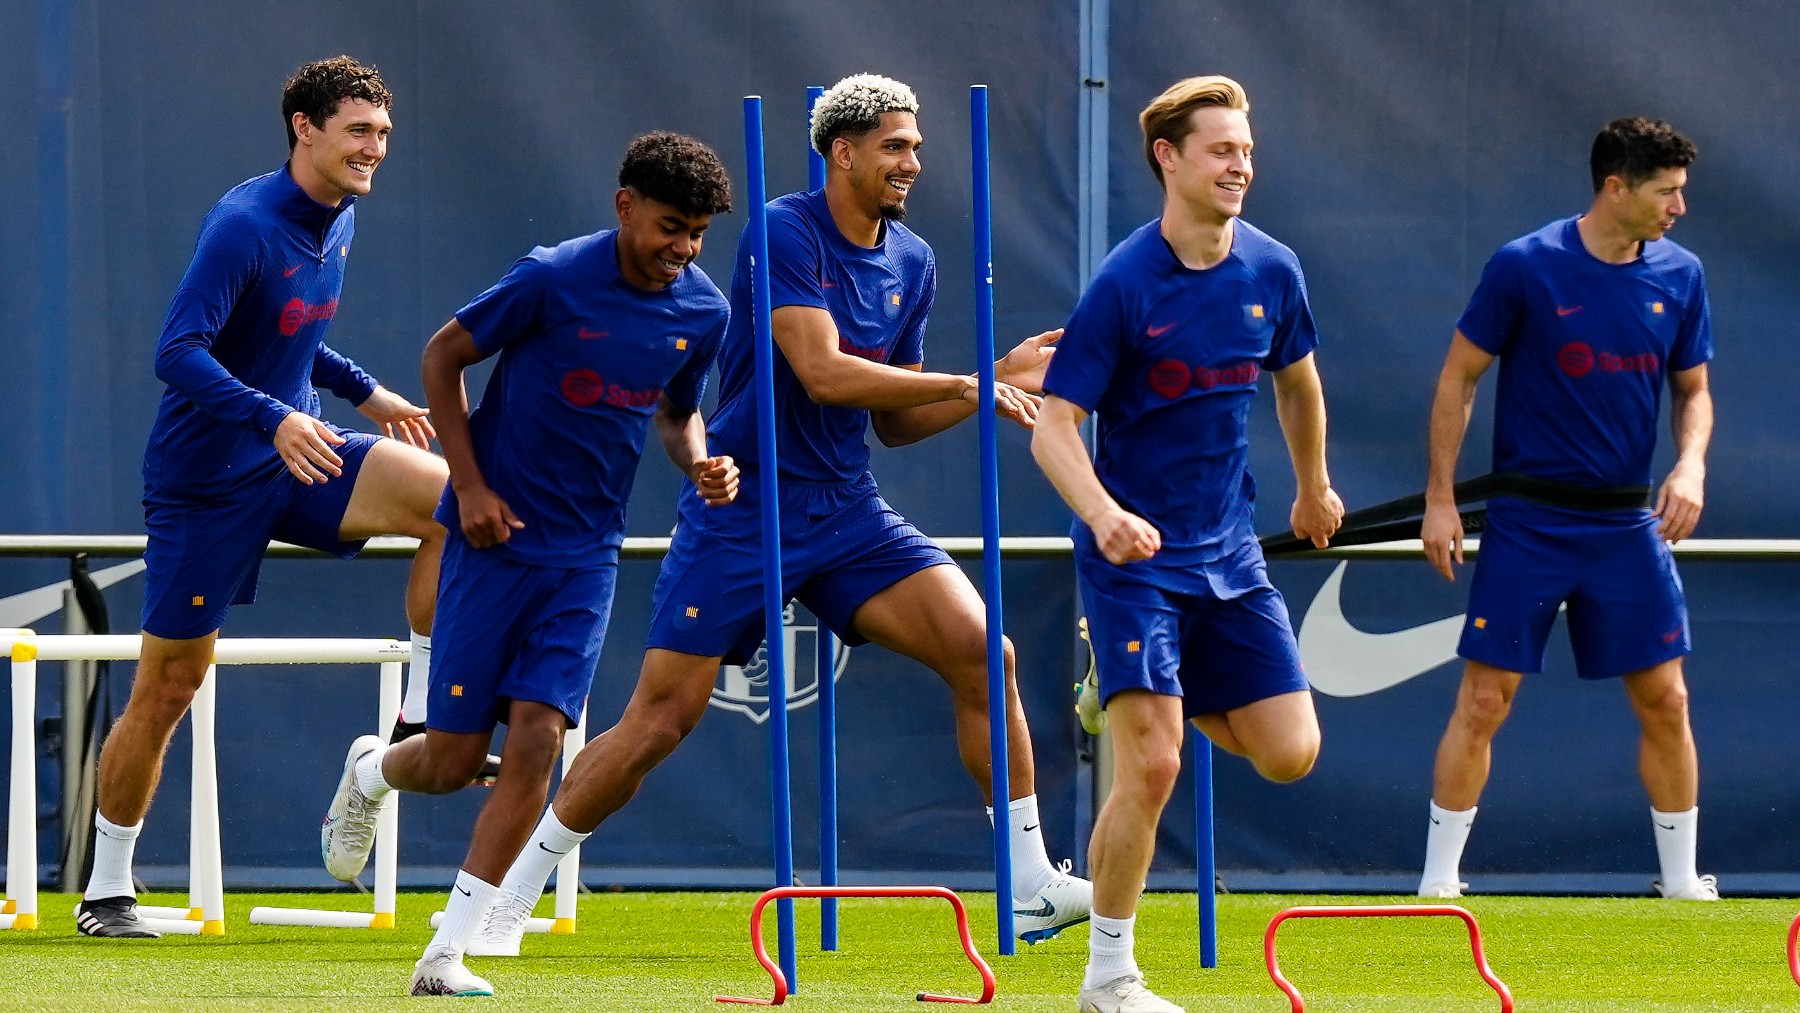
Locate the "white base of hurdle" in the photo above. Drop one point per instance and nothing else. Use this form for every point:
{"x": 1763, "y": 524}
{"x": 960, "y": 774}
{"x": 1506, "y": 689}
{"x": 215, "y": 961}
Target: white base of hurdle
{"x": 206, "y": 891}
{"x": 545, "y": 926}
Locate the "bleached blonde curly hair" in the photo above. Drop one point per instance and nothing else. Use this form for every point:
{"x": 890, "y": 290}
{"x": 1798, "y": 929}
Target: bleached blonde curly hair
{"x": 853, "y": 107}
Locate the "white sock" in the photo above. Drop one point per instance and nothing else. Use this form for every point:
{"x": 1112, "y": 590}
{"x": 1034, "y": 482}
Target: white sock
{"x": 418, "y": 681}
{"x": 113, "y": 845}
{"x": 469, "y": 901}
{"x": 1676, "y": 840}
{"x": 1444, "y": 844}
{"x": 1031, "y": 868}
{"x": 531, "y": 870}
{"x": 369, "y": 778}
{"x": 1110, "y": 947}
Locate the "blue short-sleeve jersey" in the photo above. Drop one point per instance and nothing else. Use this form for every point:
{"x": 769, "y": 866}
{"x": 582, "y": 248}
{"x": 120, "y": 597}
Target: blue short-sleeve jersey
{"x": 244, "y": 342}
{"x": 585, "y": 358}
{"x": 879, "y": 299}
{"x": 1585, "y": 348}
{"x": 1167, "y": 359}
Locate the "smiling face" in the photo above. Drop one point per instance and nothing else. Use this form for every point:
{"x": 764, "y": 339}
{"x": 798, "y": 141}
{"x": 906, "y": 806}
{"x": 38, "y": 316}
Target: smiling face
{"x": 1210, "y": 170}
{"x": 882, "y": 164}
{"x": 337, "y": 158}
{"x": 656, "y": 240}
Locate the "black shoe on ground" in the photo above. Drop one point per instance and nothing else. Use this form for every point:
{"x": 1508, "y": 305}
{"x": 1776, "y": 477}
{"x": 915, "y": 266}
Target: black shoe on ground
{"x": 490, "y": 770}
{"x": 113, "y": 918}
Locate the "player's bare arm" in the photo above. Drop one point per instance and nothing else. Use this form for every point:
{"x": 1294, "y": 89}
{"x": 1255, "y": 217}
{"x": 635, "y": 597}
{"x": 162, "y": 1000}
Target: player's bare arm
{"x": 400, "y": 419}
{"x": 683, "y": 435}
{"x": 1021, "y": 369}
{"x": 486, "y": 519}
{"x": 809, "y": 339}
{"x": 1300, "y": 406}
{"x": 1122, "y": 536}
{"x": 1442, "y": 531}
{"x": 1683, "y": 493}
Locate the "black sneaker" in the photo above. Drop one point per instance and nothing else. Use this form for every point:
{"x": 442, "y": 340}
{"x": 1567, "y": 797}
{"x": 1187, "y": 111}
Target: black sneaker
{"x": 113, "y": 918}
{"x": 490, "y": 770}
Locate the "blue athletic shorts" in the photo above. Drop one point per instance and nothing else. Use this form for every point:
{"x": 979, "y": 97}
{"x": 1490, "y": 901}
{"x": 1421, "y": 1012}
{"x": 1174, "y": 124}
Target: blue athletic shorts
{"x": 1225, "y": 645}
{"x": 203, "y": 555}
{"x": 841, "y": 544}
{"x": 508, "y": 631}
{"x": 1627, "y": 612}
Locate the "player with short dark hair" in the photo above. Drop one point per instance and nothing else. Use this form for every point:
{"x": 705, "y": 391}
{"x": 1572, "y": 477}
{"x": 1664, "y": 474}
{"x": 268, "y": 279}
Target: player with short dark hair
{"x": 1588, "y": 316}
{"x": 1164, "y": 350}
{"x": 598, "y": 338}
{"x": 851, "y": 288}
{"x": 238, "y": 454}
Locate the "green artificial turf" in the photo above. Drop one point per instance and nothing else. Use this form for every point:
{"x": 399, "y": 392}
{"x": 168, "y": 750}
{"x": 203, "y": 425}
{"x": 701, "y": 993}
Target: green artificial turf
{"x": 674, "y": 951}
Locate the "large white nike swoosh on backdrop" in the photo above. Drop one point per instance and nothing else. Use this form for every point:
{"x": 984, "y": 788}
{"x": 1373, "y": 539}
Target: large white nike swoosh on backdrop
{"x": 27, "y": 607}
{"x": 1342, "y": 660}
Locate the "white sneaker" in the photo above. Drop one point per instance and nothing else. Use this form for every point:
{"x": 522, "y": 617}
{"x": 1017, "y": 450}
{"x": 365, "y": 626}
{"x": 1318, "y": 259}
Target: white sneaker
{"x": 1443, "y": 891}
{"x": 349, "y": 828}
{"x": 441, "y": 972}
{"x": 1062, "y": 902}
{"x": 1124, "y": 995}
{"x": 502, "y": 928}
{"x": 1087, "y": 692}
{"x": 1704, "y": 888}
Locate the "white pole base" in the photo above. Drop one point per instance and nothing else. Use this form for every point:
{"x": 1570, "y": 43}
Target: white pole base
{"x": 321, "y": 919}
{"x": 540, "y": 925}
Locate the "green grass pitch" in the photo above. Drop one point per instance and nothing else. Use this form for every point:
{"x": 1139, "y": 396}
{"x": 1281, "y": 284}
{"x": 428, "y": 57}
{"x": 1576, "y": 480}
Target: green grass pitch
{"x": 674, "y": 951}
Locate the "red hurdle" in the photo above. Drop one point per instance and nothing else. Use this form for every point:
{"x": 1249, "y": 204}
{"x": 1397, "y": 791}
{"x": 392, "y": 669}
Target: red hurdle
{"x": 784, "y": 892}
{"x": 1398, "y": 911}
{"x": 1794, "y": 949}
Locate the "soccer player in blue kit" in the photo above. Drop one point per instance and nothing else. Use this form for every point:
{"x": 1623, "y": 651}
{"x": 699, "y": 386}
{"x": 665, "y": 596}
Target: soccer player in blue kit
{"x": 1165, "y": 349}
{"x": 1588, "y": 316}
{"x": 598, "y": 338}
{"x": 238, "y": 454}
{"x": 851, "y": 288}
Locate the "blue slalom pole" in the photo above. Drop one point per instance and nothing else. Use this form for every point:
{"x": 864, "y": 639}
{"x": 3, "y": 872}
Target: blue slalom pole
{"x": 774, "y": 598}
{"x": 990, "y": 515}
{"x": 815, "y": 162}
{"x": 828, "y": 812}
{"x": 1204, "y": 857}
{"x": 827, "y": 664}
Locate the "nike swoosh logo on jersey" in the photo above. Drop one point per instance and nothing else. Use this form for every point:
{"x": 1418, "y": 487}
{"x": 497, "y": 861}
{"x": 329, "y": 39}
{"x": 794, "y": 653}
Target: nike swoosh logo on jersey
{"x": 1046, "y": 911}
{"x": 1157, "y": 331}
{"x": 585, "y": 334}
{"x": 1563, "y": 311}
{"x": 1342, "y": 660}
{"x": 289, "y": 273}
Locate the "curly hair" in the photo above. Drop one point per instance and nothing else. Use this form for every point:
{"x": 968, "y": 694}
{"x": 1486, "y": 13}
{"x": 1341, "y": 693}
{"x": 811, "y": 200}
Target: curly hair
{"x": 853, "y": 107}
{"x": 679, "y": 171}
{"x": 318, "y": 87}
{"x": 1634, "y": 149}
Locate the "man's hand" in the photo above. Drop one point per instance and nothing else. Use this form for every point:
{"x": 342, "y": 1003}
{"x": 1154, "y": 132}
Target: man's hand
{"x": 1009, "y": 401}
{"x": 1442, "y": 533}
{"x": 716, "y": 478}
{"x": 1124, "y": 537}
{"x": 1024, "y": 366}
{"x": 400, "y": 419}
{"x": 1317, "y": 515}
{"x": 304, "y": 444}
{"x": 486, "y": 519}
{"x": 1680, "y": 500}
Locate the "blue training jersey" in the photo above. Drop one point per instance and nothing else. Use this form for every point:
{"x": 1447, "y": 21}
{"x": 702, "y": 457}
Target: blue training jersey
{"x": 585, "y": 357}
{"x": 1585, "y": 347}
{"x": 244, "y": 342}
{"x": 878, "y": 298}
{"x": 1167, "y": 358}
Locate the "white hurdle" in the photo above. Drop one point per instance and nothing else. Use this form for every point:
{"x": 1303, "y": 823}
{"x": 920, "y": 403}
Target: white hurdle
{"x": 205, "y": 914}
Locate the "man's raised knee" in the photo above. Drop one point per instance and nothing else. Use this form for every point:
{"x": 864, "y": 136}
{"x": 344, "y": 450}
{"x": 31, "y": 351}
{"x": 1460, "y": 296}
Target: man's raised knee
{"x": 1289, "y": 764}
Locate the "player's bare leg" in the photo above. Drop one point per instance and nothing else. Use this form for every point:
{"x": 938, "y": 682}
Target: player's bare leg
{"x": 1482, "y": 703}
{"x": 397, "y": 491}
{"x": 1279, "y": 734}
{"x": 935, "y": 618}
{"x": 1671, "y": 773}
{"x": 670, "y": 698}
